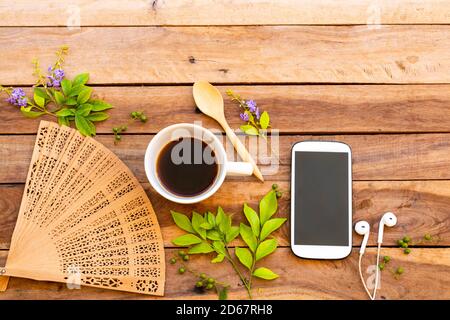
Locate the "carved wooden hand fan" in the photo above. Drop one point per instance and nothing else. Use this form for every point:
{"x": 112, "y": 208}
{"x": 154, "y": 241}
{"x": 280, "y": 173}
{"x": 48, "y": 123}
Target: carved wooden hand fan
{"x": 85, "y": 218}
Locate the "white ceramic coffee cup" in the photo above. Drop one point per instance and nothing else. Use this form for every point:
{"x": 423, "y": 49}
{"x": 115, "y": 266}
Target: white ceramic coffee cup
{"x": 185, "y": 130}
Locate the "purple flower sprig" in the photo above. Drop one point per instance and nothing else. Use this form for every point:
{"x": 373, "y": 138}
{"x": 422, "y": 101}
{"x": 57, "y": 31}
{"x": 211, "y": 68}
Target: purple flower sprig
{"x": 30, "y": 108}
{"x": 256, "y": 121}
{"x": 55, "y": 73}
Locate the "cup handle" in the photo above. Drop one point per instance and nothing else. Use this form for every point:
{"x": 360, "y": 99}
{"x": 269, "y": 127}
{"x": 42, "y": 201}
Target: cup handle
{"x": 239, "y": 169}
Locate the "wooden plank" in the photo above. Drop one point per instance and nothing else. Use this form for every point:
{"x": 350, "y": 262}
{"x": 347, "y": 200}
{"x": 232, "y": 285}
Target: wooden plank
{"x": 320, "y": 54}
{"x": 293, "y": 109}
{"x": 427, "y": 276}
{"x": 421, "y": 208}
{"x": 375, "y": 157}
{"x": 236, "y": 12}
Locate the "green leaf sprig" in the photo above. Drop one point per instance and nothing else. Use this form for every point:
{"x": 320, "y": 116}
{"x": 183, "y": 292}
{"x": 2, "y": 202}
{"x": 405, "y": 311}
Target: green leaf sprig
{"x": 213, "y": 233}
{"x": 56, "y": 95}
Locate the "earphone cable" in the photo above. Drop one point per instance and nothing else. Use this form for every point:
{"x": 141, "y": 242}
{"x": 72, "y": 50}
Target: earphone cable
{"x": 361, "y": 276}
{"x": 377, "y": 273}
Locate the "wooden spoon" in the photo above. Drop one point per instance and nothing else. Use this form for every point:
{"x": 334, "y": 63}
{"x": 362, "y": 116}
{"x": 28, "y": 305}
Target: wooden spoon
{"x": 210, "y": 102}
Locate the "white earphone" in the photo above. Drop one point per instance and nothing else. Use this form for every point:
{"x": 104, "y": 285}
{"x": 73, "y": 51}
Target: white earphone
{"x": 363, "y": 228}
{"x": 388, "y": 219}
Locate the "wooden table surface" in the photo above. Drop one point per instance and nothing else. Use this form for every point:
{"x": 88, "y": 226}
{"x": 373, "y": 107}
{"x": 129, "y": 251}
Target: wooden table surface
{"x": 374, "y": 74}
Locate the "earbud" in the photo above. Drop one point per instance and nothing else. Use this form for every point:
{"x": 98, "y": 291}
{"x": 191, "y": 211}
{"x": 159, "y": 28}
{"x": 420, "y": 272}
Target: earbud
{"x": 389, "y": 219}
{"x": 363, "y": 228}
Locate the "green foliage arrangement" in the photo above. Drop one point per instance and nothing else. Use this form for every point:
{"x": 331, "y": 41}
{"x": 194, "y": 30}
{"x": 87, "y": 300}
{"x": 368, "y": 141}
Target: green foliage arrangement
{"x": 56, "y": 95}
{"x": 213, "y": 233}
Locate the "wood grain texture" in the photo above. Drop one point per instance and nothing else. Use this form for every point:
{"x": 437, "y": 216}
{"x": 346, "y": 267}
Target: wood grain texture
{"x": 293, "y": 109}
{"x": 301, "y": 53}
{"x": 236, "y": 12}
{"x": 288, "y": 54}
{"x": 427, "y": 276}
{"x": 375, "y": 157}
{"x": 421, "y": 208}
{"x": 3, "y": 283}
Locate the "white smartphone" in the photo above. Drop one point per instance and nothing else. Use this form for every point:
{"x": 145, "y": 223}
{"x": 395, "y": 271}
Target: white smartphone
{"x": 321, "y": 200}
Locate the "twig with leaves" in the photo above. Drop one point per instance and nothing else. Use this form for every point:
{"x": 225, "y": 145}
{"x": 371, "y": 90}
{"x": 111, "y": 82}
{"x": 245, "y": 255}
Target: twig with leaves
{"x": 210, "y": 233}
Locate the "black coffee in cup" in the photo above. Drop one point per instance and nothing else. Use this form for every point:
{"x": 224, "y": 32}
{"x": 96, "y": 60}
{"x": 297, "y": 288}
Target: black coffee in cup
{"x": 187, "y": 167}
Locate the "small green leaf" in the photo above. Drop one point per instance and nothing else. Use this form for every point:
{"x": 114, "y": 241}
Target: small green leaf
{"x": 84, "y": 109}
{"x": 99, "y": 105}
{"x": 65, "y": 112}
{"x": 268, "y": 206}
{"x": 213, "y": 235}
{"x": 66, "y": 86}
{"x": 252, "y": 218}
{"x": 265, "y": 274}
{"x": 245, "y": 257}
{"x": 232, "y": 233}
{"x": 71, "y": 102}
{"x": 197, "y": 220}
{"x": 250, "y": 130}
{"x": 182, "y": 221}
{"x": 265, "y": 248}
{"x": 41, "y": 93}
{"x": 39, "y": 100}
{"x": 80, "y": 79}
{"x": 98, "y": 116}
{"x": 84, "y": 95}
{"x": 220, "y": 215}
{"x": 248, "y": 236}
{"x": 26, "y": 111}
{"x": 270, "y": 226}
{"x": 75, "y": 91}
{"x": 211, "y": 218}
{"x": 83, "y": 125}
{"x": 202, "y": 247}
{"x": 264, "y": 120}
{"x": 59, "y": 97}
{"x": 186, "y": 240}
{"x": 225, "y": 224}
{"x": 206, "y": 226}
{"x": 219, "y": 247}
{"x": 219, "y": 258}
{"x": 223, "y": 294}
{"x": 63, "y": 121}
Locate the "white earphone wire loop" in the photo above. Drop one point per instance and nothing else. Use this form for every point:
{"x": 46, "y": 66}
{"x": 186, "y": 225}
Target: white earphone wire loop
{"x": 361, "y": 276}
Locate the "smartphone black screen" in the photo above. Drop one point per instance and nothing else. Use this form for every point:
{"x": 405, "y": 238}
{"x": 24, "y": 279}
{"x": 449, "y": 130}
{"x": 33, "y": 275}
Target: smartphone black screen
{"x": 321, "y": 198}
